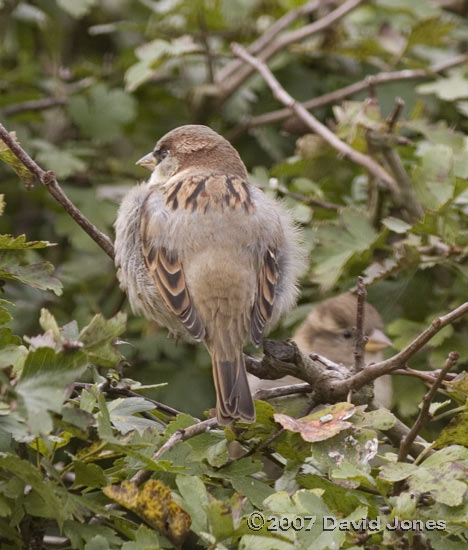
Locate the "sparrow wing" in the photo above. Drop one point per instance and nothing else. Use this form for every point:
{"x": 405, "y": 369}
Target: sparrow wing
{"x": 168, "y": 275}
{"x": 264, "y": 301}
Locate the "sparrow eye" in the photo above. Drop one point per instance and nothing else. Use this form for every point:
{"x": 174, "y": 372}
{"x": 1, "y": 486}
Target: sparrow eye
{"x": 347, "y": 334}
{"x": 160, "y": 153}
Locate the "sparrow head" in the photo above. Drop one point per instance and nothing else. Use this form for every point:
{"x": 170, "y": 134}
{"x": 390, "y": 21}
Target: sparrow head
{"x": 330, "y": 330}
{"x": 192, "y": 147}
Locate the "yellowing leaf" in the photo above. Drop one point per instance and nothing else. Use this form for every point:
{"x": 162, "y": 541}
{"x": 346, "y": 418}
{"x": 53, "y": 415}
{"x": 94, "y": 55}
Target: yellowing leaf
{"x": 320, "y": 425}
{"x": 154, "y": 504}
{"x": 10, "y": 158}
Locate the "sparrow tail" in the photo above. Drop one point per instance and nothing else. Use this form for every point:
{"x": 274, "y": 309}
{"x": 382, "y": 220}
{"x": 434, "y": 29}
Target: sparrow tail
{"x": 233, "y": 398}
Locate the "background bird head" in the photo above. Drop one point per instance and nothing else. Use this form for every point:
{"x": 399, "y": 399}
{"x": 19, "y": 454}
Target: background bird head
{"x": 330, "y": 330}
{"x": 192, "y": 147}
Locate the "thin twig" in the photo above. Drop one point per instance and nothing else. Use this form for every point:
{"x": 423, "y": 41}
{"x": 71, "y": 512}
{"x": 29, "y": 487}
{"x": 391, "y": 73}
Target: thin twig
{"x": 343, "y": 148}
{"x": 34, "y": 105}
{"x": 451, "y": 412}
{"x": 426, "y": 375}
{"x": 180, "y": 435}
{"x": 385, "y": 143}
{"x": 395, "y": 114}
{"x": 204, "y": 37}
{"x": 346, "y": 91}
{"x": 282, "y": 391}
{"x": 50, "y": 182}
{"x": 360, "y": 338}
{"x": 371, "y": 372}
{"x": 230, "y": 85}
{"x": 424, "y": 412}
{"x": 310, "y": 201}
{"x": 399, "y": 431}
{"x": 270, "y": 34}
{"x": 407, "y": 199}
{"x": 115, "y": 390}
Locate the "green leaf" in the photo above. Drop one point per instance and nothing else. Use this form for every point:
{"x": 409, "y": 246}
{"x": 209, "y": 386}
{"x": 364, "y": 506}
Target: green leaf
{"x": 64, "y": 163}
{"x": 42, "y": 385}
{"x": 12, "y": 353}
{"x": 97, "y": 543}
{"x": 444, "y": 475}
{"x": 430, "y": 32}
{"x": 104, "y": 423}
{"x": 101, "y": 113}
{"x": 99, "y": 336}
{"x": 77, "y": 9}
{"x": 5, "y": 316}
{"x": 196, "y": 500}
{"x": 152, "y": 54}
{"x": 450, "y": 88}
{"x": 145, "y": 539}
{"x": 8, "y": 242}
{"x": 396, "y": 472}
{"x": 35, "y": 275}
{"x": 255, "y": 490}
{"x": 456, "y": 433}
{"x": 33, "y": 477}
{"x": 79, "y": 532}
{"x": 339, "y": 243}
{"x": 5, "y": 509}
{"x": 90, "y": 475}
{"x": 396, "y": 225}
{"x": 122, "y": 414}
{"x": 380, "y": 419}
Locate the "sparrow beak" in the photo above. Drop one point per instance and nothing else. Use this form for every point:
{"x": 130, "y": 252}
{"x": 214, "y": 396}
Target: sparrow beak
{"x": 148, "y": 162}
{"x": 377, "y": 341}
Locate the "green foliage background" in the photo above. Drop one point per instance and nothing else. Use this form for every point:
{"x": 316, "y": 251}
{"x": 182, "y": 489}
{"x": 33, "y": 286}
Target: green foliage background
{"x": 127, "y": 71}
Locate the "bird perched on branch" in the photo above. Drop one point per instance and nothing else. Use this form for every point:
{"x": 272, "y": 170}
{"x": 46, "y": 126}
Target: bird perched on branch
{"x": 329, "y": 330}
{"x": 204, "y": 253}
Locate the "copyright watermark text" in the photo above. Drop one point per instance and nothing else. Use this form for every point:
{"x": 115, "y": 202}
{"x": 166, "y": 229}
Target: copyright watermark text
{"x": 257, "y": 521}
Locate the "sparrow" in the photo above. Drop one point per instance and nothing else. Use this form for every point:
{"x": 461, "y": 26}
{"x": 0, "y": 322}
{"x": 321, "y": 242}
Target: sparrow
{"x": 329, "y": 330}
{"x": 204, "y": 253}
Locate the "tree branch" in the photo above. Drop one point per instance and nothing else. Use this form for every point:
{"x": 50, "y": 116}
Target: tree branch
{"x": 343, "y": 148}
{"x": 230, "y": 85}
{"x": 34, "y": 105}
{"x": 342, "y": 93}
{"x": 424, "y": 412}
{"x": 270, "y": 34}
{"x": 50, "y": 182}
{"x": 376, "y": 370}
{"x": 360, "y": 339}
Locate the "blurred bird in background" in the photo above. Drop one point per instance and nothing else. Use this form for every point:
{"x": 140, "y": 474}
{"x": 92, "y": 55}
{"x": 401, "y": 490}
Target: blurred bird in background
{"x": 329, "y": 330}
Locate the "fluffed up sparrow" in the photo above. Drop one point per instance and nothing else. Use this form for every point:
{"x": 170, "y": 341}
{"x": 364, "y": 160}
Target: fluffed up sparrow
{"x": 329, "y": 330}
{"x": 204, "y": 253}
